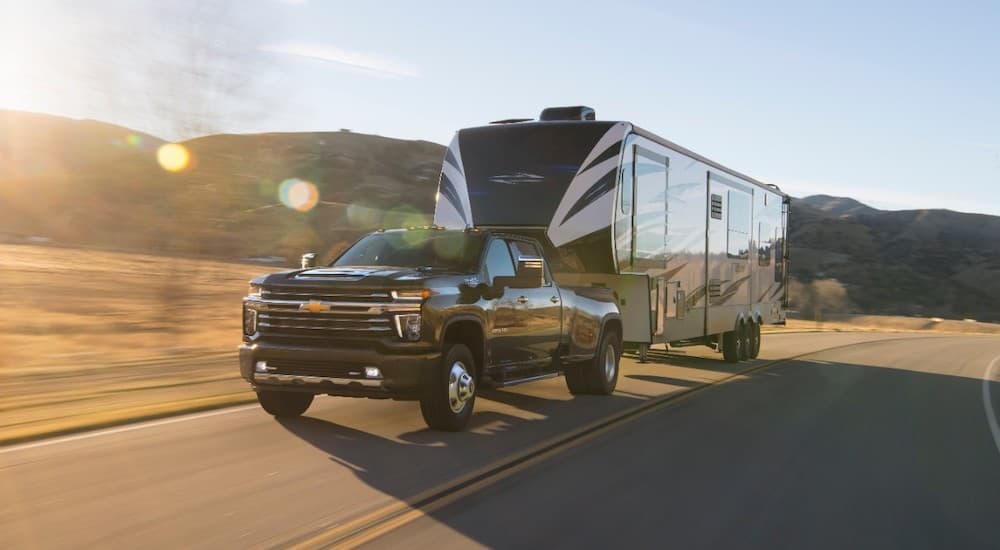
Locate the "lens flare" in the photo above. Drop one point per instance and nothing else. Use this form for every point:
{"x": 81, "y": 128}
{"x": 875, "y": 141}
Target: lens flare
{"x": 173, "y": 157}
{"x": 133, "y": 140}
{"x": 298, "y": 194}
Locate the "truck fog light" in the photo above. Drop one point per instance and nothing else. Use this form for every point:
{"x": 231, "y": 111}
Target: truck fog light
{"x": 408, "y": 326}
{"x": 249, "y": 321}
{"x": 373, "y": 372}
{"x": 261, "y": 366}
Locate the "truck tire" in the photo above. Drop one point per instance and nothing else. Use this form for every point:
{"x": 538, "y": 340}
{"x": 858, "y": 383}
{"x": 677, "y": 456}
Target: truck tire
{"x": 284, "y": 404}
{"x": 754, "y": 340}
{"x": 731, "y": 346}
{"x": 599, "y": 376}
{"x": 744, "y": 334}
{"x": 450, "y": 395}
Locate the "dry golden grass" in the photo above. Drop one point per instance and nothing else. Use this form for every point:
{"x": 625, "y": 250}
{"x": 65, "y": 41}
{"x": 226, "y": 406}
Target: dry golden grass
{"x": 888, "y": 323}
{"x": 92, "y": 337}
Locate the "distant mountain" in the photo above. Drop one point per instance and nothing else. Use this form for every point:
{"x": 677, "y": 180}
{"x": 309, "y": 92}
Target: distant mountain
{"x": 99, "y": 184}
{"x": 838, "y": 206}
{"x": 90, "y": 183}
{"x": 39, "y": 145}
{"x": 907, "y": 262}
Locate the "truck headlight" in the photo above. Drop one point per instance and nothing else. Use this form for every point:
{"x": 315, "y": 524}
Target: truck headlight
{"x": 254, "y": 290}
{"x": 415, "y": 295}
{"x": 408, "y": 326}
{"x": 249, "y": 321}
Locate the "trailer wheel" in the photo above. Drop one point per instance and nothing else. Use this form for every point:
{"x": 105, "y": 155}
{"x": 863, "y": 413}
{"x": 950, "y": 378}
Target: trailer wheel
{"x": 744, "y": 336}
{"x": 731, "y": 346}
{"x": 754, "y": 339}
{"x": 284, "y": 404}
{"x": 449, "y": 397}
{"x": 599, "y": 375}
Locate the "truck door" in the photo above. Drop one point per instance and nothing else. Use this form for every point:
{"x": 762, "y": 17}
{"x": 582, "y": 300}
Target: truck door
{"x": 541, "y": 312}
{"x": 503, "y": 313}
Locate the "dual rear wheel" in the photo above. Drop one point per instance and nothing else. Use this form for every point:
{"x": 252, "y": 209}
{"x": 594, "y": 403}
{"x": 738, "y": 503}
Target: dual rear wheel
{"x": 598, "y": 376}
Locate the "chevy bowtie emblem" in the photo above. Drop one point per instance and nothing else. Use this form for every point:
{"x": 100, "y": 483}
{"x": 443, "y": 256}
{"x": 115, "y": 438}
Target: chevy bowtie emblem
{"x": 314, "y": 306}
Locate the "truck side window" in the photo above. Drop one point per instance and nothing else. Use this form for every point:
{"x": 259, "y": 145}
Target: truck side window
{"x": 498, "y": 261}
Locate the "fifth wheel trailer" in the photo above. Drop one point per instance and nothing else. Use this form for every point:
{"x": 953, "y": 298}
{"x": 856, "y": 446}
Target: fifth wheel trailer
{"x": 696, "y": 252}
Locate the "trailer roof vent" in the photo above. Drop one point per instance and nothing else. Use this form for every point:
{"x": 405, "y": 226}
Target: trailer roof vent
{"x": 510, "y": 120}
{"x": 578, "y": 112}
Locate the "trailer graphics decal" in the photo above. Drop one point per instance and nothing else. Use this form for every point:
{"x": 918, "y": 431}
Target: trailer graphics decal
{"x": 587, "y": 205}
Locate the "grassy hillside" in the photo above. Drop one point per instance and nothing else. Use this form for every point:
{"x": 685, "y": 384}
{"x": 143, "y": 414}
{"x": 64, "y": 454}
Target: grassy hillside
{"x": 89, "y": 183}
{"x": 909, "y": 262}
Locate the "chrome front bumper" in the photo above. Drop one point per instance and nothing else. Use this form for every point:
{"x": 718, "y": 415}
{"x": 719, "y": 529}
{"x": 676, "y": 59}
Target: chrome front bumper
{"x": 296, "y": 380}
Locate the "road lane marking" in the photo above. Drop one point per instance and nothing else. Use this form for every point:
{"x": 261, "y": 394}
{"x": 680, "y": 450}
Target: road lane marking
{"x": 125, "y": 428}
{"x": 991, "y": 415}
{"x": 382, "y": 520}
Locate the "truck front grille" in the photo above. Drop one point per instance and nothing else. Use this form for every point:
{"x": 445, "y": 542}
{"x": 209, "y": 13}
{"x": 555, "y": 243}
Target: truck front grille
{"x": 340, "y": 323}
{"x": 304, "y": 294}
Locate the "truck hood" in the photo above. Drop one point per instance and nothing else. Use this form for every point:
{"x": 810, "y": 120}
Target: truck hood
{"x": 374, "y": 276}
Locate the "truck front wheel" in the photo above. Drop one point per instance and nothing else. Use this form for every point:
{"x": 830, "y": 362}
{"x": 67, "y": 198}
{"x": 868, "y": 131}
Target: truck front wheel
{"x": 600, "y": 374}
{"x": 450, "y": 395}
{"x": 284, "y": 404}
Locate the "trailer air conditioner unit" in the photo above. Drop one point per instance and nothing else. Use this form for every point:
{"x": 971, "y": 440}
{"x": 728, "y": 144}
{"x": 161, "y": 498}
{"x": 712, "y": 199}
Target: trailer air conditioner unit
{"x": 579, "y": 112}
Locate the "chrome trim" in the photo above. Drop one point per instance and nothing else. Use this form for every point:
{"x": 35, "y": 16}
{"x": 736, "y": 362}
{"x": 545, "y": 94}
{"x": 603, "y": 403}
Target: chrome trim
{"x": 264, "y": 324}
{"x": 370, "y": 308}
{"x": 291, "y": 379}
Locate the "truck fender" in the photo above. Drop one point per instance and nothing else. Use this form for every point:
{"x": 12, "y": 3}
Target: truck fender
{"x": 604, "y": 324}
{"x": 467, "y": 317}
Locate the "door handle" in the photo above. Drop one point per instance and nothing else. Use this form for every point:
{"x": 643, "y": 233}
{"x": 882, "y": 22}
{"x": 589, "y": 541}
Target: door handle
{"x": 554, "y": 300}
{"x": 522, "y": 300}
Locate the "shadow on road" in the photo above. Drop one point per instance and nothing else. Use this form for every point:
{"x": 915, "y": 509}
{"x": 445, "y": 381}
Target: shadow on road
{"x": 785, "y": 457}
{"x": 665, "y": 380}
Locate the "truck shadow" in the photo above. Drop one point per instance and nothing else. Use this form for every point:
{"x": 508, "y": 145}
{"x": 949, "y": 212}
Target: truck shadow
{"x": 407, "y": 463}
{"x": 867, "y": 427}
{"x": 665, "y": 380}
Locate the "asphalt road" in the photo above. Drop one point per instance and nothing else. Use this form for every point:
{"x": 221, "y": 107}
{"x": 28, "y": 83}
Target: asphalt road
{"x": 881, "y": 441}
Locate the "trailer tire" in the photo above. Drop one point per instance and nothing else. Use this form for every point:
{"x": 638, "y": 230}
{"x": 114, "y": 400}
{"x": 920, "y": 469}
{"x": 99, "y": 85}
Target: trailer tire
{"x": 731, "y": 346}
{"x": 447, "y": 401}
{"x": 599, "y": 375}
{"x": 744, "y": 335}
{"x": 284, "y": 404}
{"x": 754, "y": 339}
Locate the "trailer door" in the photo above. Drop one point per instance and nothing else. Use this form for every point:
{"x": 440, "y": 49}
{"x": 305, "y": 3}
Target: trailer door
{"x": 649, "y": 234}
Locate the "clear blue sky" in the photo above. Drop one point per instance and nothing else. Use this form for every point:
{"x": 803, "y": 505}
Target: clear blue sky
{"x": 896, "y": 104}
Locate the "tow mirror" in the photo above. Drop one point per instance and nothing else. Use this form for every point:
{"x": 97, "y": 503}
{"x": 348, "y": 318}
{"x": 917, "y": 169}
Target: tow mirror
{"x": 530, "y": 272}
{"x": 308, "y": 260}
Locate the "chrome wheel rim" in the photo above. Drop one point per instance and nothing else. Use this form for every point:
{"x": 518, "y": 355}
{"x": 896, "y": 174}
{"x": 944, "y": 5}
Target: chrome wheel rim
{"x": 609, "y": 363}
{"x": 461, "y": 387}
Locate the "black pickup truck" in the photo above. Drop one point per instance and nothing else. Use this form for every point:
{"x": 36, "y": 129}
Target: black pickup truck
{"x": 429, "y": 314}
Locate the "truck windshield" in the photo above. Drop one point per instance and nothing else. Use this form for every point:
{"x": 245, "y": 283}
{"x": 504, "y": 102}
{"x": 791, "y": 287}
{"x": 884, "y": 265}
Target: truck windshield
{"x": 439, "y": 250}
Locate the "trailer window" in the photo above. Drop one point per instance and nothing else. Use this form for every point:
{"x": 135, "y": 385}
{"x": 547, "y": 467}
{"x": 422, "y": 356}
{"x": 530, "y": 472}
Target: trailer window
{"x": 738, "y": 220}
{"x": 764, "y": 244}
{"x": 650, "y": 208}
{"x": 626, "y": 186}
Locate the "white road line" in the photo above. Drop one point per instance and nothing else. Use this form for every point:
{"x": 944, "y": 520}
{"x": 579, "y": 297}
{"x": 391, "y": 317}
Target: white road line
{"x": 991, "y": 415}
{"x": 127, "y": 428}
